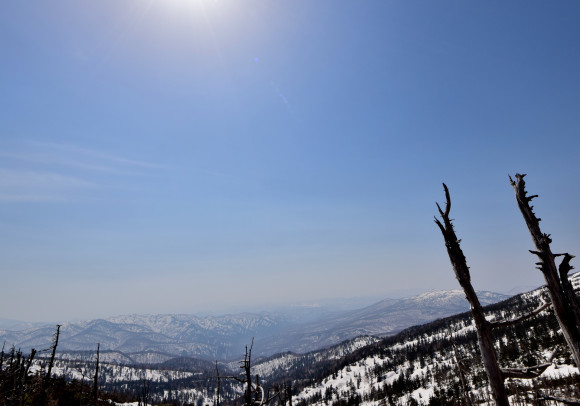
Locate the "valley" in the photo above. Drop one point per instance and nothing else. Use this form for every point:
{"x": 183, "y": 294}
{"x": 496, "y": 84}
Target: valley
{"x": 398, "y": 365}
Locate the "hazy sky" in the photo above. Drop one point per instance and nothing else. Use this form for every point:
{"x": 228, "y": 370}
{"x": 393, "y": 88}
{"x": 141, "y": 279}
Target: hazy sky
{"x": 211, "y": 155}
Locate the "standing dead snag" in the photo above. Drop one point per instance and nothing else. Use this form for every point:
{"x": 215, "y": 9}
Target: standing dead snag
{"x": 219, "y": 381}
{"x": 250, "y": 394}
{"x": 482, "y": 326}
{"x": 47, "y": 377}
{"x": 564, "y": 301}
{"x": 54, "y": 345}
{"x": 254, "y": 394}
{"x": 95, "y": 393}
{"x": 495, "y": 374}
{"x": 246, "y": 366}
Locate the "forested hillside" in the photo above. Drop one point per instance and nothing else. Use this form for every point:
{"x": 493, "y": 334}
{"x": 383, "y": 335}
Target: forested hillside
{"x": 425, "y": 364}
{"x": 432, "y": 364}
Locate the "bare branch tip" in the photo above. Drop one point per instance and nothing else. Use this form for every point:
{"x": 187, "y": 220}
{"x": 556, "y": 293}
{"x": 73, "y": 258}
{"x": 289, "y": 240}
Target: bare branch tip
{"x": 440, "y": 210}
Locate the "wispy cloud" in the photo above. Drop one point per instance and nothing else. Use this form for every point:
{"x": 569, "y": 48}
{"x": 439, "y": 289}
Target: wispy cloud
{"x": 48, "y": 153}
{"x": 43, "y": 158}
{"x": 34, "y": 186}
{"x": 40, "y": 198}
{"x": 81, "y": 152}
{"x": 46, "y": 171}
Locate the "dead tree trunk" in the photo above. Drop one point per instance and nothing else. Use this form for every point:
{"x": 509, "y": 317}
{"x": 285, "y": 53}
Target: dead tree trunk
{"x": 246, "y": 366}
{"x": 46, "y": 378}
{"x": 564, "y": 301}
{"x": 95, "y": 393}
{"x": 2, "y": 356}
{"x": 255, "y": 394}
{"x": 483, "y": 327}
{"x": 24, "y": 378}
{"x": 217, "y": 403}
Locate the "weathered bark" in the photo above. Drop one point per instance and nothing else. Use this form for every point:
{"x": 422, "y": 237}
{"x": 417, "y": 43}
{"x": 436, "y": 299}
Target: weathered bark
{"x": 483, "y": 327}
{"x": 563, "y": 270}
{"x": 564, "y": 301}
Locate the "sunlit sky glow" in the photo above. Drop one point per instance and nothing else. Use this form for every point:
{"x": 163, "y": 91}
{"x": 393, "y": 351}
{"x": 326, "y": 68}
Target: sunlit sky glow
{"x": 211, "y": 156}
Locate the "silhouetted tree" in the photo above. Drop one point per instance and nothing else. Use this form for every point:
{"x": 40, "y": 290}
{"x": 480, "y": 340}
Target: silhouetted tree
{"x": 482, "y": 326}
{"x": 95, "y": 393}
{"x": 564, "y": 300}
{"x": 53, "y": 347}
{"x": 219, "y": 381}
{"x": 495, "y": 374}
{"x": 254, "y": 393}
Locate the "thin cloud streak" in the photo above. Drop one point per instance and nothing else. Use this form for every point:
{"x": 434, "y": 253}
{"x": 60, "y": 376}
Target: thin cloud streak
{"x": 62, "y": 161}
{"x": 11, "y": 178}
{"x": 20, "y": 186}
{"x": 95, "y": 154}
{"x": 31, "y": 198}
{"x": 36, "y": 171}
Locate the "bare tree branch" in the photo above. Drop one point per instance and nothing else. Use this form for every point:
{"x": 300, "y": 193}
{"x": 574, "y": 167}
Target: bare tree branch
{"x": 566, "y": 401}
{"x": 511, "y": 322}
{"x": 525, "y": 373}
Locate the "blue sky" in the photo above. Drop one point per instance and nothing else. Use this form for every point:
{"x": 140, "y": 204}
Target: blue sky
{"x": 198, "y": 155}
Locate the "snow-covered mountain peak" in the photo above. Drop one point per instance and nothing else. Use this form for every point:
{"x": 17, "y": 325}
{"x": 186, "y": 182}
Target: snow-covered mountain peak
{"x": 222, "y": 337}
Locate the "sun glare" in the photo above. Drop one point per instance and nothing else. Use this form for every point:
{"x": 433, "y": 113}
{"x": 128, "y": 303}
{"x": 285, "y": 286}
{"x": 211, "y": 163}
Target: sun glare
{"x": 188, "y": 5}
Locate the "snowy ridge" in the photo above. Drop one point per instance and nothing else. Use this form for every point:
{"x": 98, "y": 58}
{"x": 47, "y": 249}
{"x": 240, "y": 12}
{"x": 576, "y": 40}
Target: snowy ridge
{"x": 222, "y": 337}
{"x": 415, "y": 367}
{"x": 418, "y": 365}
{"x": 131, "y": 379}
{"x": 280, "y": 364}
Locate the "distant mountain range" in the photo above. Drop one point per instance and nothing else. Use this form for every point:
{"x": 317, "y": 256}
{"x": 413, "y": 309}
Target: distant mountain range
{"x": 384, "y": 318}
{"x": 157, "y": 338}
{"x": 417, "y": 366}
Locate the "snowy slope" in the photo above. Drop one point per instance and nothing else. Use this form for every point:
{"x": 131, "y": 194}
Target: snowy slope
{"x": 166, "y": 336}
{"x": 416, "y": 366}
